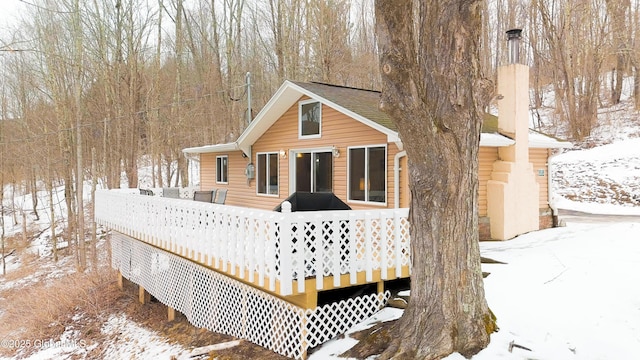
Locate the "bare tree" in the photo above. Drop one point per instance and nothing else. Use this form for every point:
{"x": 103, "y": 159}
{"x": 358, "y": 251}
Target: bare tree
{"x": 574, "y": 36}
{"x": 620, "y": 42}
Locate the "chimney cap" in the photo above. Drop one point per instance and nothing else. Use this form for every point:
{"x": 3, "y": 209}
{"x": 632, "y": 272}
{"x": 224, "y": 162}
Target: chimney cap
{"x": 514, "y": 34}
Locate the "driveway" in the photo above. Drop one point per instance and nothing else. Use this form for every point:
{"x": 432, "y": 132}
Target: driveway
{"x": 572, "y": 216}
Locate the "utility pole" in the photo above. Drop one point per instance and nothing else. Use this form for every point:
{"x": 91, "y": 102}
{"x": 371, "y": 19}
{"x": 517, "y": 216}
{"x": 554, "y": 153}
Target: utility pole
{"x": 248, "y": 77}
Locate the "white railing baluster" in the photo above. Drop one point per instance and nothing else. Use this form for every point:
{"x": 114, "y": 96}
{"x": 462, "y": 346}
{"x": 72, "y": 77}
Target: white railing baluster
{"x": 242, "y": 251}
{"x": 353, "y": 248}
{"x": 317, "y": 259}
{"x": 337, "y": 241}
{"x": 271, "y": 253}
{"x": 384, "y": 245}
{"x": 252, "y": 237}
{"x": 217, "y": 254}
{"x": 259, "y": 248}
{"x": 368, "y": 251}
{"x": 299, "y": 253}
{"x": 286, "y": 250}
{"x": 397, "y": 225}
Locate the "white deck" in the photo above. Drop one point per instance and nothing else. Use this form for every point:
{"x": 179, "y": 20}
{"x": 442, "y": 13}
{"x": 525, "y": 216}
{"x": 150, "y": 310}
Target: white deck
{"x": 279, "y": 252}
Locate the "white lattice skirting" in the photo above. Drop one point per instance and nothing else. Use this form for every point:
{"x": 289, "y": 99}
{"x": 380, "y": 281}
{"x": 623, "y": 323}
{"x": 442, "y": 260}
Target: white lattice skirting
{"x": 218, "y": 303}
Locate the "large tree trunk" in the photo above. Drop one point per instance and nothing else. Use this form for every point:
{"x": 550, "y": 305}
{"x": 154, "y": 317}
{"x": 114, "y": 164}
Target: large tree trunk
{"x": 434, "y": 92}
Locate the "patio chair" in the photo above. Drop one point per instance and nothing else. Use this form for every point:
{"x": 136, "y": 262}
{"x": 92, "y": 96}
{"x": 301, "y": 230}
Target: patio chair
{"x": 171, "y": 192}
{"x": 221, "y": 197}
{"x": 204, "y": 196}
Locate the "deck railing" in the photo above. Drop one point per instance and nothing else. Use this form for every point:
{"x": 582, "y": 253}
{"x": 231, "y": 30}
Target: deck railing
{"x": 274, "y": 250}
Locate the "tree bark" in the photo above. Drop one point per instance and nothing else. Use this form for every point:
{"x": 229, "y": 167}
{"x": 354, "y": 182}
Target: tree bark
{"x": 433, "y": 90}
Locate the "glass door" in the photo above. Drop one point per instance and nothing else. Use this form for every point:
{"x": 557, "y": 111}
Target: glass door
{"x": 314, "y": 171}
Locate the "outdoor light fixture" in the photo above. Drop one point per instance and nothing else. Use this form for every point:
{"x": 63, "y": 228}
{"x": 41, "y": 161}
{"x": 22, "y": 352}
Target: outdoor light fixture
{"x": 335, "y": 151}
{"x": 283, "y": 154}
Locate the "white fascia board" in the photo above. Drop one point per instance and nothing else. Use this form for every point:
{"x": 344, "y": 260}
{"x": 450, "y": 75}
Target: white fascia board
{"x": 495, "y": 140}
{"x": 280, "y": 102}
{"x": 212, "y": 148}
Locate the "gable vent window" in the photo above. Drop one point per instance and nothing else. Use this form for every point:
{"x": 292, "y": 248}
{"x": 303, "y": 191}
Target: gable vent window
{"x": 309, "y": 119}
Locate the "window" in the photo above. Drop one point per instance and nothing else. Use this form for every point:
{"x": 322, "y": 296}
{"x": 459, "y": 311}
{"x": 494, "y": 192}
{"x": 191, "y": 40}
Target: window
{"x": 267, "y": 173}
{"x": 367, "y": 174}
{"x": 309, "y": 119}
{"x": 222, "y": 169}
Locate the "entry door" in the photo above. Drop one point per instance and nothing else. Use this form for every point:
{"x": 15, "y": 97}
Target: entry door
{"x": 314, "y": 171}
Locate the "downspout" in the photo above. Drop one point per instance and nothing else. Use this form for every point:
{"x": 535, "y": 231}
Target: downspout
{"x": 551, "y": 199}
{"x": 396, "y": 178}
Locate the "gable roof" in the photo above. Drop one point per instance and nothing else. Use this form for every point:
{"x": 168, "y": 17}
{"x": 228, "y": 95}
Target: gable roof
{"x": 359, "y": 104}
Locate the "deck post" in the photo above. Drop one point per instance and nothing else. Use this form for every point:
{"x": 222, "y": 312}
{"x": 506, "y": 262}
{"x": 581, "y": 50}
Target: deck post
{"x": 171, "y": 313}
{"x": 286, "y": 287}
{"x": 120, "y": 280}
{"x": 143, "y": 295}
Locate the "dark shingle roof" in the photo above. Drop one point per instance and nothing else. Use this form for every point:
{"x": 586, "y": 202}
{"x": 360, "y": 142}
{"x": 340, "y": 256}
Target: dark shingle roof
{"x": 362, "y": 102}
{"x": 366, "y": 104}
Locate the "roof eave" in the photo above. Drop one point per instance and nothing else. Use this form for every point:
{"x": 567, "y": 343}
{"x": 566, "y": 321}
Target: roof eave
{"x": 233, "y": 146}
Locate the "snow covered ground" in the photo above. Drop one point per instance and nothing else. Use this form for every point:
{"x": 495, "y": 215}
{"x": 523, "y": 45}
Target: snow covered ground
{"x": 607, "y": 174}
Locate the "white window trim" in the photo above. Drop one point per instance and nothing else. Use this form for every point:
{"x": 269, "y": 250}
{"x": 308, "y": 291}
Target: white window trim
{"x": 277, "y": 194}
{"x": 314, "y": 136}
{"x": 218, "y": 177}
{"x": 386, "y": 175}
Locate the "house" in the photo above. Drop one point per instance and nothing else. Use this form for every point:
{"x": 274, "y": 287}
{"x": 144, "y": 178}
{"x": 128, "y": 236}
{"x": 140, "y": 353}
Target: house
{"x": 313, "y": 137}
{"x": 290, "y": 280}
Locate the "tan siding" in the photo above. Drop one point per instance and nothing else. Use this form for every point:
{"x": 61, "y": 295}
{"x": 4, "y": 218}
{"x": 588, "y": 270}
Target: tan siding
{"x": 486, "y": 158}
{"x": 207, "y": 171}
{"x": 539, "y": 157}
{"x": 337, "y": 130}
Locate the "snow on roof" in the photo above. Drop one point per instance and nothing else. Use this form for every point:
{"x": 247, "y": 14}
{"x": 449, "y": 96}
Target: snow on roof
{"x": 497, "y": 140}
{"x": 539, "y": 140}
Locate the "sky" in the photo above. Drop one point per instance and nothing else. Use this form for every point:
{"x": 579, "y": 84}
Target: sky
{"x": 9, "y": 10}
